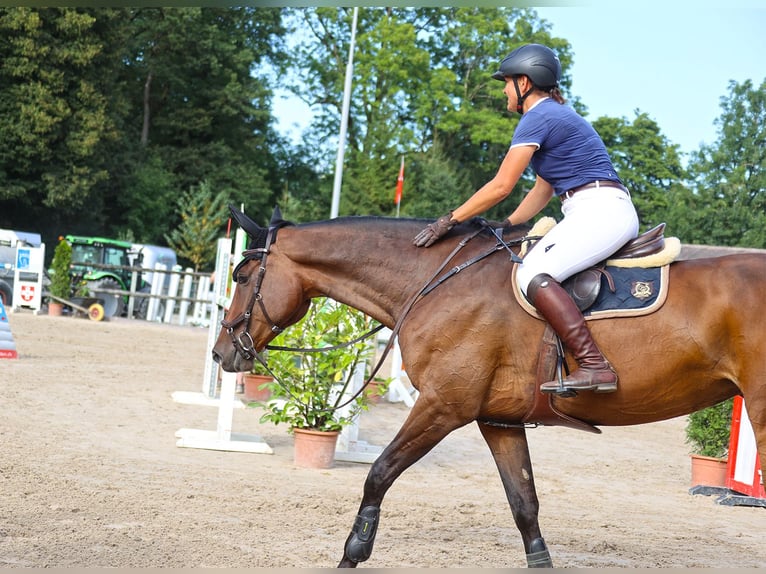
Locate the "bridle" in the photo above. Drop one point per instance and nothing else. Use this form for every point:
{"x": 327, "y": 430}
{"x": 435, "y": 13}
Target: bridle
{"x": 243, "y": 342}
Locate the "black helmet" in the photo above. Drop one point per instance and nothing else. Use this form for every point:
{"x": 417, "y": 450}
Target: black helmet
{"x": 536, "y": 61}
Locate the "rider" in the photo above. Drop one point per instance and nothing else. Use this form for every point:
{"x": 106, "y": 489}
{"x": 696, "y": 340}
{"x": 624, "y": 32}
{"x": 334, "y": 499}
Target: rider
{"x": 571, "y": 163}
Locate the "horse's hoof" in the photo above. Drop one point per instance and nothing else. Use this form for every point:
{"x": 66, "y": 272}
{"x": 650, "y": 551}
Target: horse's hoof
{"x": 538, "y": 556}
{"x": 359, "y": 543}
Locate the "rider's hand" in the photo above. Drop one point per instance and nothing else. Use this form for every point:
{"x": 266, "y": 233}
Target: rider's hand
{"x": 435, "y": 230}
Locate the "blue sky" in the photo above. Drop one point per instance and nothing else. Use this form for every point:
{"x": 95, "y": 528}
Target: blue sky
{"x": 672, "y": 60}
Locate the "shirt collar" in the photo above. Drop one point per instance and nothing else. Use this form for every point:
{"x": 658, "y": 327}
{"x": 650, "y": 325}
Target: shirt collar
{"x": 533, "y": 106}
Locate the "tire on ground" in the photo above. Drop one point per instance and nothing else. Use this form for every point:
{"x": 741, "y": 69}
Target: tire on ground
{"x": 114, "y": 305}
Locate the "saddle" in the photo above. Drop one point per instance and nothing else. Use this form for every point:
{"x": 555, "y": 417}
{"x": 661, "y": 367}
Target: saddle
{"x": 585, "y": 286}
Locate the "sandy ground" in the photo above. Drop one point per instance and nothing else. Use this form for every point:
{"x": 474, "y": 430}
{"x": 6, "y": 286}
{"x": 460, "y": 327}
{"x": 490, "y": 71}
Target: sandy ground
{"x": 90, "y": 476}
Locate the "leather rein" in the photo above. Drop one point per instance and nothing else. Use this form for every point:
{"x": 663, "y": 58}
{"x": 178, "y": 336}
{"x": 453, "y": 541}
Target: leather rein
{"x": 245, "y": 346}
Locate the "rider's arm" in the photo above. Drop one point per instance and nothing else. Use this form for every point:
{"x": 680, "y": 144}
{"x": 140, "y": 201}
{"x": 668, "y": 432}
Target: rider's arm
{"x": 533, "y": 202}
{"x": 498, "y": 188}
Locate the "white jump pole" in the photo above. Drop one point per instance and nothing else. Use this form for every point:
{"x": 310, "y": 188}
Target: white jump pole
{"x": 222, "y": 438}
{"x": 349, "y": 447}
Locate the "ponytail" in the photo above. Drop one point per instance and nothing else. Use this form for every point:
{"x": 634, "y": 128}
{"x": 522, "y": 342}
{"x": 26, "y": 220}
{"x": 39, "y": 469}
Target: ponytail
{"x": 555, "y": 94}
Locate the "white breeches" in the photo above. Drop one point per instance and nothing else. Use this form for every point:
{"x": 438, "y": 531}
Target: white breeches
{"x": 596, "y": 223}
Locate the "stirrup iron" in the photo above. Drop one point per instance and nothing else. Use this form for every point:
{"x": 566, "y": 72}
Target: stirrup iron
{"x": 561, "y": 366}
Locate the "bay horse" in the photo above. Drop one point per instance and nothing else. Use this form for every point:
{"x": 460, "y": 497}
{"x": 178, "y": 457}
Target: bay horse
{"x": 472, "y": 351}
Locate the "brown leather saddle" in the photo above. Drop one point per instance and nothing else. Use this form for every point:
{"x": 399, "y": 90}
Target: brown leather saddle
{"x": 585, "y": 286}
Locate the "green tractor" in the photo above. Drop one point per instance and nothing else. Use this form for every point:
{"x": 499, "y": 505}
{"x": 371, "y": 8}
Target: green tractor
{"x": 88, "y": 254}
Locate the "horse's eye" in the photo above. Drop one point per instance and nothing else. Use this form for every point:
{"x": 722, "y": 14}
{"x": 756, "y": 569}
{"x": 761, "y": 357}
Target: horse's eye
{"x": 241, "y": 278}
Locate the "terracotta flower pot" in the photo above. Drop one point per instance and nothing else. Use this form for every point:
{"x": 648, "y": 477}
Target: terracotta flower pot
{"x": 314, "y": 449}
{"x": 252, "y": 384}
{"x": 55, "y": 308}
{"x": 708, "y": 471}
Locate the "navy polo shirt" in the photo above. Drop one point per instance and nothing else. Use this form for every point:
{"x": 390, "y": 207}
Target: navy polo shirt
{"x": 570, "y": 152}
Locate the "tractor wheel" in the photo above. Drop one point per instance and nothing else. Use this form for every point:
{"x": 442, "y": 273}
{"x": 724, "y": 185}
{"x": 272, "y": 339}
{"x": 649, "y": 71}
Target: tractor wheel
{"x": 114, "y": 305}
{"x": 96, "y": 312}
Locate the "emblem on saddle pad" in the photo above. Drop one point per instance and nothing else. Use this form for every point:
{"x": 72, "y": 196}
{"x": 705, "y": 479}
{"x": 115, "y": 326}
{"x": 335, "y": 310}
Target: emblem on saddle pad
{"x": 642, "y": 289}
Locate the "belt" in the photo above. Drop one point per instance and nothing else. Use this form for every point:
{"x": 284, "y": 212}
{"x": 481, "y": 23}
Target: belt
{"x": 593, "y": 185}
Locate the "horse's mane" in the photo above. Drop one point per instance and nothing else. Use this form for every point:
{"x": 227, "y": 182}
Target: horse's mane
{"x": 467, "y": 226}
{"x": 258, "y": 235}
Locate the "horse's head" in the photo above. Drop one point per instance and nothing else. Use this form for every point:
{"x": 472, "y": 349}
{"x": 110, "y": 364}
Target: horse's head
{"x": 266, "y": 300}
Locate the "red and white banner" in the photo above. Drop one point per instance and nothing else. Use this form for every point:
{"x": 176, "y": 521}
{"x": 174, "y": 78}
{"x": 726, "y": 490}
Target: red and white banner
{"x": 743, "y": 471}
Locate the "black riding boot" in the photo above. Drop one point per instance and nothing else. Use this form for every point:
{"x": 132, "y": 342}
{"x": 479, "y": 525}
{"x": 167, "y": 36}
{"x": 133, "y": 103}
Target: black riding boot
{"x": 554, "y": 303}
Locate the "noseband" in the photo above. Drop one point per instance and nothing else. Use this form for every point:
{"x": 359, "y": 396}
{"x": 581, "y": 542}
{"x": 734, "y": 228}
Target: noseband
{"x": 243, "y": 342}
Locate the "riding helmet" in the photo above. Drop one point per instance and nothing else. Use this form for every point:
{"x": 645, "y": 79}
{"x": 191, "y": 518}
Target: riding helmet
{"x": 535, "y": 61}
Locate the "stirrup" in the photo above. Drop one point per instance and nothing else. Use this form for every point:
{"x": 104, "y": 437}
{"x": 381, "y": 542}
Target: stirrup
{"x": 561, "y": 390}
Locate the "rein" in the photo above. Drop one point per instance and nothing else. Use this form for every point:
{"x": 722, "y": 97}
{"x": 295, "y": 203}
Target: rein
{"x": 245, "y": 346}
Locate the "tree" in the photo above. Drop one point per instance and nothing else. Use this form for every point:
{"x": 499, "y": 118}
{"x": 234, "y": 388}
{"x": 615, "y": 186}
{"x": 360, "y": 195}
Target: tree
{"x": 107, "y": 114}
{"x": 728, "y": 205}
{"x": 55, "y": 91}
{"x": 202, "y": 215}
{"x": 201, "y": 108}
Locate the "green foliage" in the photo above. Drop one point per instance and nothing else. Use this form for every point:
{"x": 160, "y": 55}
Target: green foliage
{"x": 148, "y": 201}
{"x": 107, "y": 113}
{"x": 311, "y": 386}
{"x": 54, "y": 105}
{"x": 728, "y": 203}
{"x": 202, "y": 217}
{"x": 61, "y": 283}
{"x": 708, "y": 430}
{"x": 432, "y": 184}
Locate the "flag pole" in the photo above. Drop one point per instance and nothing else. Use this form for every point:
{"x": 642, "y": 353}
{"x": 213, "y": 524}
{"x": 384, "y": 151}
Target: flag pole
{"x": 343, "y": 121}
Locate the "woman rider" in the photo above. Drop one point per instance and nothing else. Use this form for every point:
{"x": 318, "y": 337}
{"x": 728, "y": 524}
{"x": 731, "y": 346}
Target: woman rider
{"x": 572, "y": 164}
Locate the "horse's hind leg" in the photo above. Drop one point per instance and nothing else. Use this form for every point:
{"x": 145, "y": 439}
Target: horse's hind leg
{"x": 511, "y": 453}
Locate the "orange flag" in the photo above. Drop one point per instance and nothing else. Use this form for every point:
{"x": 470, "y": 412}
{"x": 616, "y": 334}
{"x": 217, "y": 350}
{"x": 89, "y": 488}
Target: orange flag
{"x": 399, "y": 184}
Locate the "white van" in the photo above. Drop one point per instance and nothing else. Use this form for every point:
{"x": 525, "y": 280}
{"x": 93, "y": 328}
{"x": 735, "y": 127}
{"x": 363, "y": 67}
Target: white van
{"x": 153, "y": 254}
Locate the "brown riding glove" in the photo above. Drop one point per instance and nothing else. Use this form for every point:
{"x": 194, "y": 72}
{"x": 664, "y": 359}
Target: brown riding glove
{"x": 435, "y": 230}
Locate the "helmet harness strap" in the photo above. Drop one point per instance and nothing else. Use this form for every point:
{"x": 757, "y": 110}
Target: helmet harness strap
{"x": 519, "y": 98}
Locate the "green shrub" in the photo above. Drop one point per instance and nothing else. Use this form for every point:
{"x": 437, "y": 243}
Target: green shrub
{"x": 61, "y": 282}
{"x": 708, "y": 430}
{"x": 309, "y": 387}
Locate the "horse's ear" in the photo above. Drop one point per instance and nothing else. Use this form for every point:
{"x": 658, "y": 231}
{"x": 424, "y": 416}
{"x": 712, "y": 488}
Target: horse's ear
{"x": 250, "y": 226}
{"x": 276, "y": 217}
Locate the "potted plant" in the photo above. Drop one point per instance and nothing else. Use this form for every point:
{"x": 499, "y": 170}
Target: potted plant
{"x": 310, "y": 389}
{"x": 255, "y": 383}
{"x": 61, "y": 284}
{"x": 708, "y": 431}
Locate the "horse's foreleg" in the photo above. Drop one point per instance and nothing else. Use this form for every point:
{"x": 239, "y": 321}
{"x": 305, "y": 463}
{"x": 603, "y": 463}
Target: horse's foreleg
{"x": 511, "y": 453}
{"x": 422, "y": 430}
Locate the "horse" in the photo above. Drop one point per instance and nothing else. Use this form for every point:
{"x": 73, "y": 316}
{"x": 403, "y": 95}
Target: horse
{"x": 472, "y": 351}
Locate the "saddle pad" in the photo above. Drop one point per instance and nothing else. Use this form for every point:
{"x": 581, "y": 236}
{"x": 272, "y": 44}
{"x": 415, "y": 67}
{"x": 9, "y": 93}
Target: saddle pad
{"x": 638, "y": 291}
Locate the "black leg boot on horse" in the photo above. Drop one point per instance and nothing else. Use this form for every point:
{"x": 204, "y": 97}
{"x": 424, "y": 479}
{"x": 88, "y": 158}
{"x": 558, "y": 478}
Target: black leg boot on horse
{"x": 594, "y": 373}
